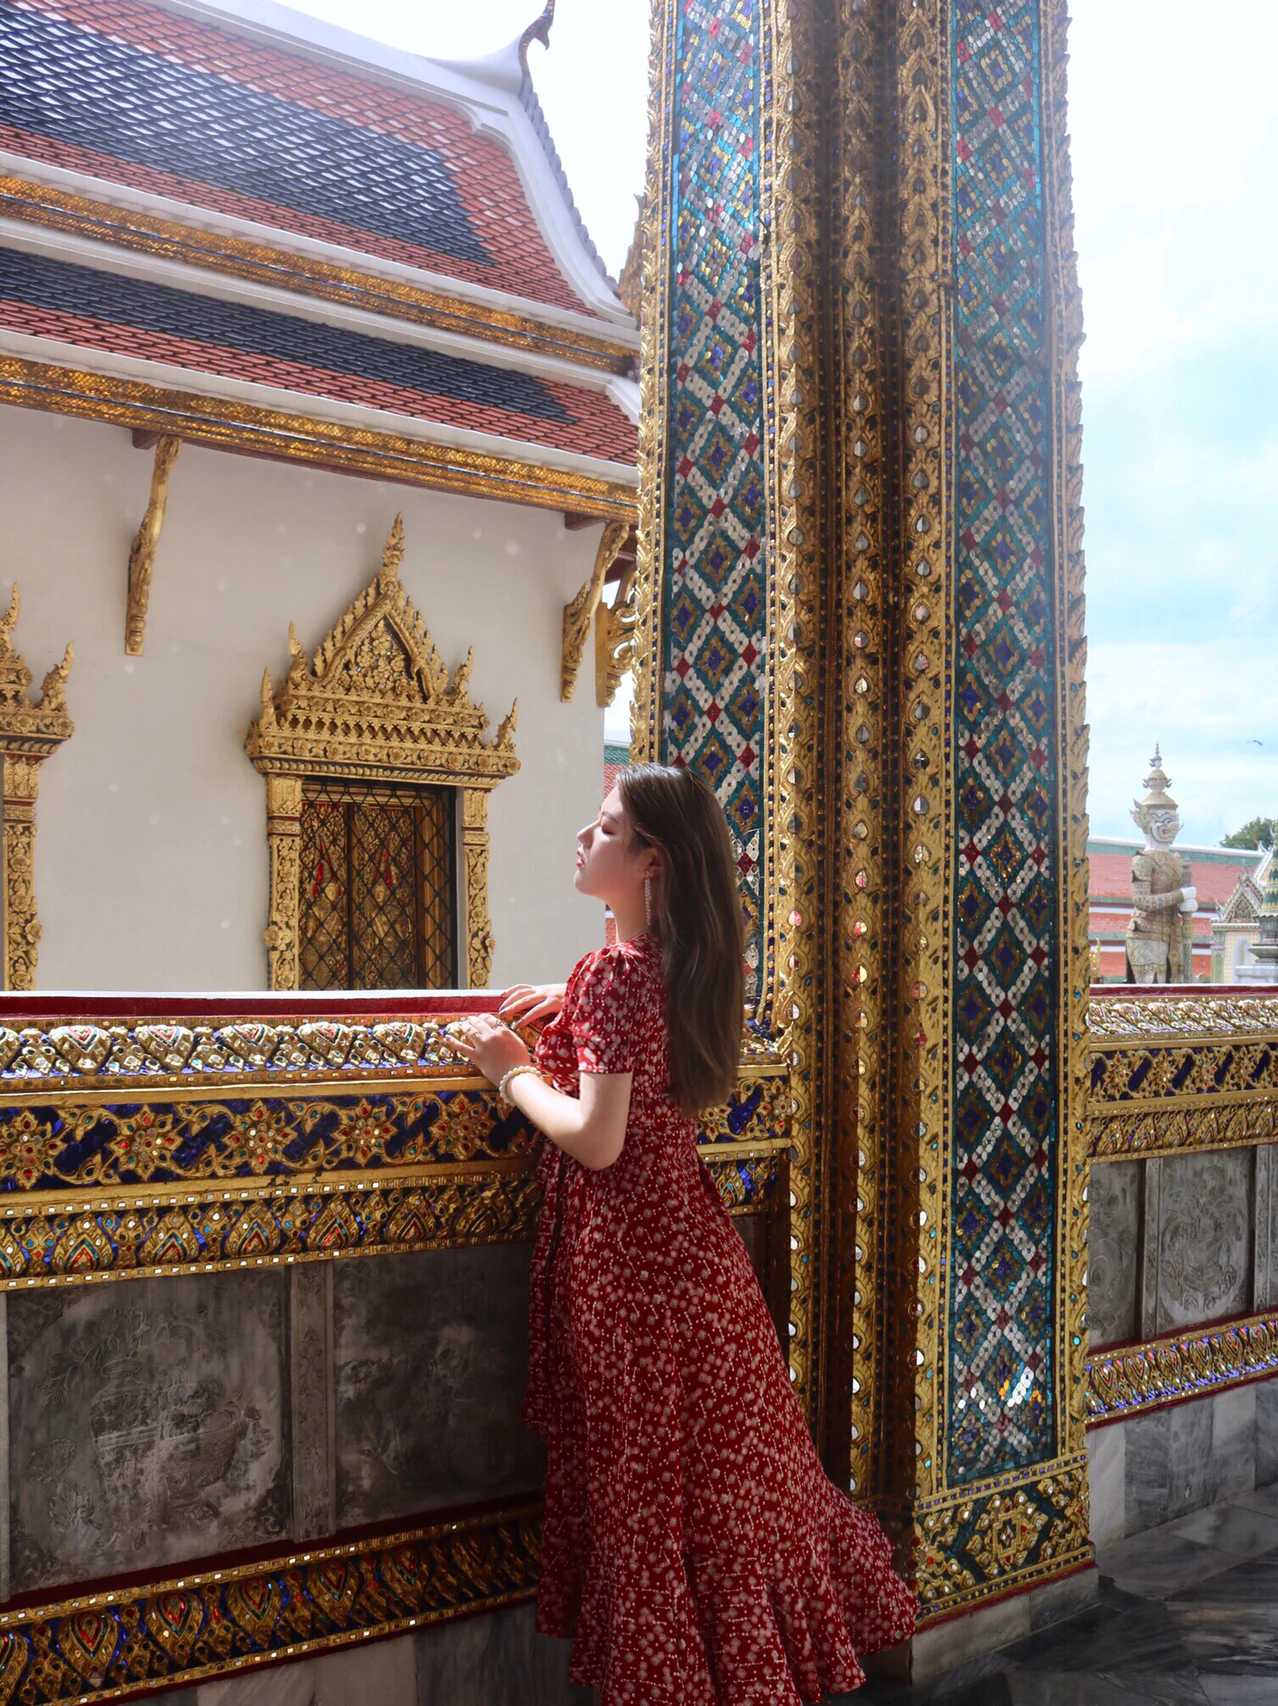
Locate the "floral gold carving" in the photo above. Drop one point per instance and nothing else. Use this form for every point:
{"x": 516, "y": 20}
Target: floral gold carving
{"x": 29, "y": 732}
{"x": 219, "y": 1622}
{"x": 1116, "y": 1019}
{"x": 579, "y": 613}
{"x": 1181, "y": 1074}
{"x": 376, "y": 702}
{"x": 1137, "y": 1377}
{"x": 139, "y": 1054}
{"x": 1016, "y": 1530}
{"x": 615, "y": 632}
{"x": 145, "y": 544}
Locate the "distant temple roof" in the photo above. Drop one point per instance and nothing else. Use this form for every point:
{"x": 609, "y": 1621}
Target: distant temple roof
{"x": 1217, "y": 870}
{"x": 243, "y": 201}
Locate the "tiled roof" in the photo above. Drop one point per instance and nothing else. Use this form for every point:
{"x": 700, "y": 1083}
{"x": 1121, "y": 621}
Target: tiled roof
{"x": 111, "y": 312}
{"x": 1113, "y": 922}
{"x": 1110, "y": 875}
{"x": 616, "y": 758}
{"x": 132, "y": 94}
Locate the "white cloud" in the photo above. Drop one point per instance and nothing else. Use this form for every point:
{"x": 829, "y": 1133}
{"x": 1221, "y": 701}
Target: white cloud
{"x": 1206, "y": 709}
{"x": 1174, "y": 135}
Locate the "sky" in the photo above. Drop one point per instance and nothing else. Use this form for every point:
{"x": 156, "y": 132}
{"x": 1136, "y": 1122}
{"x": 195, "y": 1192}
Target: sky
{"x": 1175, "y": 146}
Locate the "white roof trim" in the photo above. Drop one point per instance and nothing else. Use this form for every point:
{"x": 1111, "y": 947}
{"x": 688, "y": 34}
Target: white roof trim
{"x": 493, "y": 109}
{"x": 177, "y": 275}
{"x": 200, "y": 219}
{"x": 625, "y": 394}
{"x": 164, "y": 374}
{"x": 1117, "y": 844}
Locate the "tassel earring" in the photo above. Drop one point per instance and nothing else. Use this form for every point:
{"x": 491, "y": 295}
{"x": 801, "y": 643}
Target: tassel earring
{"x": 647, "y": 903}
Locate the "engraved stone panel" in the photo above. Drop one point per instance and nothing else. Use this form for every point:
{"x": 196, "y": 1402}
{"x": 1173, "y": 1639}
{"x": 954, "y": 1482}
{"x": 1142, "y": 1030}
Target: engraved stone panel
{"x": 431, "y": 1351}
{"x": 1204, "y": 1238}
{"x": 482, "y": 1660}
{"x": 1267, "y": 1226}
{"x": 1112, "y": 1241}
{"x": 1267, "y": 1433}
{"x": 146, "y": 1424}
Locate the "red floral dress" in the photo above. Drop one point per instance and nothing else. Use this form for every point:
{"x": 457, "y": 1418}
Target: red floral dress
{"x": 692, "y": 1543}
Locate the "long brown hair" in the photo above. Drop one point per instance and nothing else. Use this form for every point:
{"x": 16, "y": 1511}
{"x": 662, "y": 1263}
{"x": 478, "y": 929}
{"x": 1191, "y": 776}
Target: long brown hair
{"x": 698, "y": 923}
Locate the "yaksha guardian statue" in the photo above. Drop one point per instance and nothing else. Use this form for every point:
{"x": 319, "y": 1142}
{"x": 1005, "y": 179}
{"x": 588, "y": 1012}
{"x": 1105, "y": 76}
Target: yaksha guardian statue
{"x": 1160, "y": 930}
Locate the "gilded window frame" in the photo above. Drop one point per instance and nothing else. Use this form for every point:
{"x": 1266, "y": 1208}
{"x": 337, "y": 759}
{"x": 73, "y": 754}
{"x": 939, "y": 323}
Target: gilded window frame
{"x": 331, "y": 720}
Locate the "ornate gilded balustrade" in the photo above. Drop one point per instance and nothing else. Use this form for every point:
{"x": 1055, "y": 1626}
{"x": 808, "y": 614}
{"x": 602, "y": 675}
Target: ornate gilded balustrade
{"x": 1183, "y": 1270}
{"x": 344, "y": 1432}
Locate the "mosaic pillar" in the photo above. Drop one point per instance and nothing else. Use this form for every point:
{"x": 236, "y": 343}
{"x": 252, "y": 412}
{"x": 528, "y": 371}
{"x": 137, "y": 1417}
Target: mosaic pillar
{"x": 861, "y": 618}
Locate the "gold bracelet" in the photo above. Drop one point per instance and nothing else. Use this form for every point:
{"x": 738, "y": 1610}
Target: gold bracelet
{"x": 514, "y": 1071}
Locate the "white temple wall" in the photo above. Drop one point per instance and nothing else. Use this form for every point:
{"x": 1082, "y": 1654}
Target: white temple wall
{"x": 151, "y": 853}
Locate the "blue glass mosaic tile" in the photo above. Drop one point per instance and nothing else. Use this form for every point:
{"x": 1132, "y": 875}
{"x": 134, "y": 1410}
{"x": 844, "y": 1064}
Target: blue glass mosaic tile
{"x": 714, "y": 601}
{"x": 1002, "y": 1279}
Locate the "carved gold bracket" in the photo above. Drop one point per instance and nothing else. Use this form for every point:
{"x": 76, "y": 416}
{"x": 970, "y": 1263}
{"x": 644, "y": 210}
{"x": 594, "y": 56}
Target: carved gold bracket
{"x": 28, "y": 734}
{"x": 145, "y": 544}
{"x": 580, "y": 611}
{"x": 376, "y": 704}
{"x": 615, "y": 627}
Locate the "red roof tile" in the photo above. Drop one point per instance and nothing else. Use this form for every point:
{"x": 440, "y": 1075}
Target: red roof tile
{"x": 471, "y": 171}
{"x": 1110, "y": 875}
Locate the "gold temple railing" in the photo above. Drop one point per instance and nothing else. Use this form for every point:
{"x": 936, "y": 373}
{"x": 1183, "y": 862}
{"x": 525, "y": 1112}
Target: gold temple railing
{"x": 179, "y": 1143}
{"x": 228, "y": 1155}
{"x": 1183, "y": 1121}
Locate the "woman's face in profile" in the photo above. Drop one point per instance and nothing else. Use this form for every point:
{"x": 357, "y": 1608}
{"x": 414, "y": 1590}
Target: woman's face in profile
{"x": 608, "y": 866}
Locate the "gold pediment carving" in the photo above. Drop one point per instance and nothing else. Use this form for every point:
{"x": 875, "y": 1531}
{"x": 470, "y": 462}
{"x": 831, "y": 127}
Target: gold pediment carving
{"x": 377, "y": 700}
{"x": 33, "y": 730}
{"x": 377, "y": 703}
{"x": 29, "y": 732}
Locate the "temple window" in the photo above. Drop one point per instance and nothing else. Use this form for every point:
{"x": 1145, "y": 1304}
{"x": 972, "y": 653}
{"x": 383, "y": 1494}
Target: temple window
{"x": 378, "y": 887}
{"x": 378, "y": 770}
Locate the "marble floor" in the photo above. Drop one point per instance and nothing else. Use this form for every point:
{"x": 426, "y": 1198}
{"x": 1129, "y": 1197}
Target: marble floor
{"x": 1187, "y": 1612}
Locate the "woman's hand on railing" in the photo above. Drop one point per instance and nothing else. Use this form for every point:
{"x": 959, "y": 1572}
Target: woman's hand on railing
{"x": 531, "y": 1003}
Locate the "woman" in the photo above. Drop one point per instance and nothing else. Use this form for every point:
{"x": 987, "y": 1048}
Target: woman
{"x": 692, "y": 1544}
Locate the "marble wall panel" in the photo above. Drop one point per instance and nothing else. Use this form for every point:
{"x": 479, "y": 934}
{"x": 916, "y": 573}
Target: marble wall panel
{"x": 1184, "y": 1457}
{"x": 1267, "y": 1432}
{"x": 1168, "y": 1464}
{"x": 1199, "y": 1243}
{"x": 495, "y": 1658}
{"x": 1113, "y": 1271}
{"x": 147, "y": 1424}
{"x": 1267, "y": 1227}
{"x": 374, "y": 1673}
{"x": 431, "y": 1353}
{"x": 1106, "y": 1482}
{"x": 1233, "y": 1442}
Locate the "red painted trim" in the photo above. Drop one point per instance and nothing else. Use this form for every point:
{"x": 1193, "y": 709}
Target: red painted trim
{"x": 288, "y": 1004}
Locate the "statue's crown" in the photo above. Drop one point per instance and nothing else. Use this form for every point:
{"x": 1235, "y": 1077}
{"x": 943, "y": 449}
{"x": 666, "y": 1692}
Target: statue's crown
{"x": 1156, "y": 785}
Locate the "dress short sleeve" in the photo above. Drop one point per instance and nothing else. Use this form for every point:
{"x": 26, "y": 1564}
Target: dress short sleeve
{"x": 608, "y": 1008}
